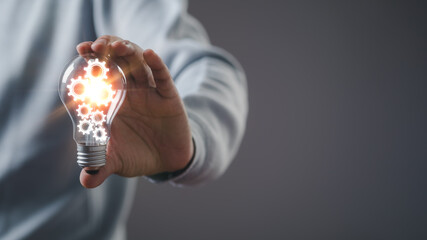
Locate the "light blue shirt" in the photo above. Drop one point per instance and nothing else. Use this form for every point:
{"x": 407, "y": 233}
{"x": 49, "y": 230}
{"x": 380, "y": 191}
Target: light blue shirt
{"x": 40, "y": 193}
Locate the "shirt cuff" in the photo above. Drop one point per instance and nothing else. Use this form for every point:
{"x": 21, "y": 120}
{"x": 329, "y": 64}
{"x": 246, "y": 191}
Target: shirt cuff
{"x": 166, "y": 176}
{"x": 188, "y": 175}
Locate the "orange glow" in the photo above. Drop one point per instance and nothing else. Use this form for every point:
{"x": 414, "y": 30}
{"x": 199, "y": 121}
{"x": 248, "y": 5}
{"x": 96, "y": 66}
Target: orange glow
{"x": 93, "y": 91}
{"x": 79, "y": 89}
{"x": 85, "y": 111}
{"x": 99, "y": 92}
{"x": 96, "y": 71}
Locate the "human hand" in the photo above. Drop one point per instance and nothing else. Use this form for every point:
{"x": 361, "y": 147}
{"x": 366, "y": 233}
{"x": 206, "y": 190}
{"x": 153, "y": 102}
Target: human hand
{"x": 150, "y": 133}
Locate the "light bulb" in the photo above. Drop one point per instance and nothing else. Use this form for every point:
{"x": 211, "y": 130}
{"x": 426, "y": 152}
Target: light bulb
{"x": 92, "y": 90}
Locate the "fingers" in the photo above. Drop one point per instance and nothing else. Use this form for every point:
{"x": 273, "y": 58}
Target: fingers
{"x": 128, "y": 55}
{"x": 84, "y": 48}
{"x": 102, "y": 44}
{"x": 146, "y": 68}
{"x": 124, "y": 48}
{"x": 133, "y": 55}
{"x": 165, "y": 86}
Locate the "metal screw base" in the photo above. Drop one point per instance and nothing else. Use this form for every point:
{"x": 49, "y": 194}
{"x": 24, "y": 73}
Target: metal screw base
{"x": 91, "y": 156}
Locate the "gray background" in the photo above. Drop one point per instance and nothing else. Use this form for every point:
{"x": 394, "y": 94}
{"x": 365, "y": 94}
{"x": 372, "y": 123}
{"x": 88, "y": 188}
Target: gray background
{"x": 336, "y": 137}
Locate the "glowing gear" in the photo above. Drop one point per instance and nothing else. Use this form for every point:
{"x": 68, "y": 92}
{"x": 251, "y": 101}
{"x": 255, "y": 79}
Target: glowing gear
{"x": 84, "y": 111}
{"x": 100, "y": 92}
{"x": 77, "y": 88}
{"x": 96, "y": 69}
{"x": 85, "y": 126}
{"x": 100, "y": 134}
{"x": 98, "y": 117}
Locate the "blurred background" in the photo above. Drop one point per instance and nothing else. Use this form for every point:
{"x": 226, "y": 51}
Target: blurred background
{"x": 336, "y": 140}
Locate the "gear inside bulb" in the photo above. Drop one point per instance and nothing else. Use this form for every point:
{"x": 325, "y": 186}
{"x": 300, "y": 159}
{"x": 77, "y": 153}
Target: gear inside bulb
{"x": 92, "y": 89}
{"x": 85, "y": 127}
{"x": 96, "y": 69}
{"x": 100, "y": 93}
{"x": 77, "y": 88}
{"x": 100, "y": 134}
{"x": 98, "y": 117}
{"x": 84, "y": 110}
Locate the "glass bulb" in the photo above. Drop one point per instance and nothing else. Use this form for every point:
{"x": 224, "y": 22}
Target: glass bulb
{"x": 92, "y": 90}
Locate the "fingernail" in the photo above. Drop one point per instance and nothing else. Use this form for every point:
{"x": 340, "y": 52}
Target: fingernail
{"x": 92, "y": 172}
{"x": 152, "y": 84}
{"x": 151, "y": 81}
{"x": 125, "y": 42}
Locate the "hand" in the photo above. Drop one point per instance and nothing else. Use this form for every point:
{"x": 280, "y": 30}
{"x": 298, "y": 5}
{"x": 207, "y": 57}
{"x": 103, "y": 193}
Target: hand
{"x": 150, "y": 133}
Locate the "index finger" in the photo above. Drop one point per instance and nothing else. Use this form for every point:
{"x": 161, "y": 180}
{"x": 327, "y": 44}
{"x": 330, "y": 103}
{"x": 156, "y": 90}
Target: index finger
{"x": 137, "y": 66}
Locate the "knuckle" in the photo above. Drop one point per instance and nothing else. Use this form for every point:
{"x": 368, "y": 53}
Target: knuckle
{"x": 109, "y": 38}
{"x": 106, "y": 36}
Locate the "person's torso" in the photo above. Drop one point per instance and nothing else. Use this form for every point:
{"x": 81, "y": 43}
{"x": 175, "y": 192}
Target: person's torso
{"x": 40, "y": 194}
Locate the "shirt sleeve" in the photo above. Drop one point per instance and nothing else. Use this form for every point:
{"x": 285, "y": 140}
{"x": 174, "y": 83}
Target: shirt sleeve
{"x": 210, "y": 81}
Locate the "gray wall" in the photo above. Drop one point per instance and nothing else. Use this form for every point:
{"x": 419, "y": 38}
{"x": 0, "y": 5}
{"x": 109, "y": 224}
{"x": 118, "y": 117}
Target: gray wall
{"x": 336, "y": 139}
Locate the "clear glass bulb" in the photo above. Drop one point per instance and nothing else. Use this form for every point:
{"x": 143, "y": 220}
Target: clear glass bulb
{"x": 92, "y": 89}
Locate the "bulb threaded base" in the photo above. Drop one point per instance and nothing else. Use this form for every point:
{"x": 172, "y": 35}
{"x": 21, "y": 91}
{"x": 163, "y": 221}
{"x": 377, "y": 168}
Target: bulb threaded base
{"x": 91, "y": 156}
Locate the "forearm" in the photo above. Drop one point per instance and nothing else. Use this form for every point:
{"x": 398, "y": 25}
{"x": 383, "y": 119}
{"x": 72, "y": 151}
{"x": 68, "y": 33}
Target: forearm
{"x": 210, "y": 82}
{"x": 216, "y": 104}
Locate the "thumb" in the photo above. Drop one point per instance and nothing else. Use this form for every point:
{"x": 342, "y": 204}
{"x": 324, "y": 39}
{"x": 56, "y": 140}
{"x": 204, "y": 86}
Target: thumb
{"x": 90, "y": 178}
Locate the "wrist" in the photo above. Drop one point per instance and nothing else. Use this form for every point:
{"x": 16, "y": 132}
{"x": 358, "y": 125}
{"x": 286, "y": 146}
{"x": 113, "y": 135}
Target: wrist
{"x": 164, "y": 176}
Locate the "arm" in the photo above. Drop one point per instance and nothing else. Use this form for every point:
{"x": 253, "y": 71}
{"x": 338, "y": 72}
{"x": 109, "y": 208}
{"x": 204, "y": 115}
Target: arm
{"x": 210, "y": 86}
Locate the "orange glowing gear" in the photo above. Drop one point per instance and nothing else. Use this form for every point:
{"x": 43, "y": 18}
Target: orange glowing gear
{"x": 85, "y": 126}
{"x": 84, "y": 111}
{"x": 98, "y": 117}
{"x": 100, "y": 134}
{"x": 100, "y": 92}
{"x": 77, "y": 88}
{"x": 96, "y": 69}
